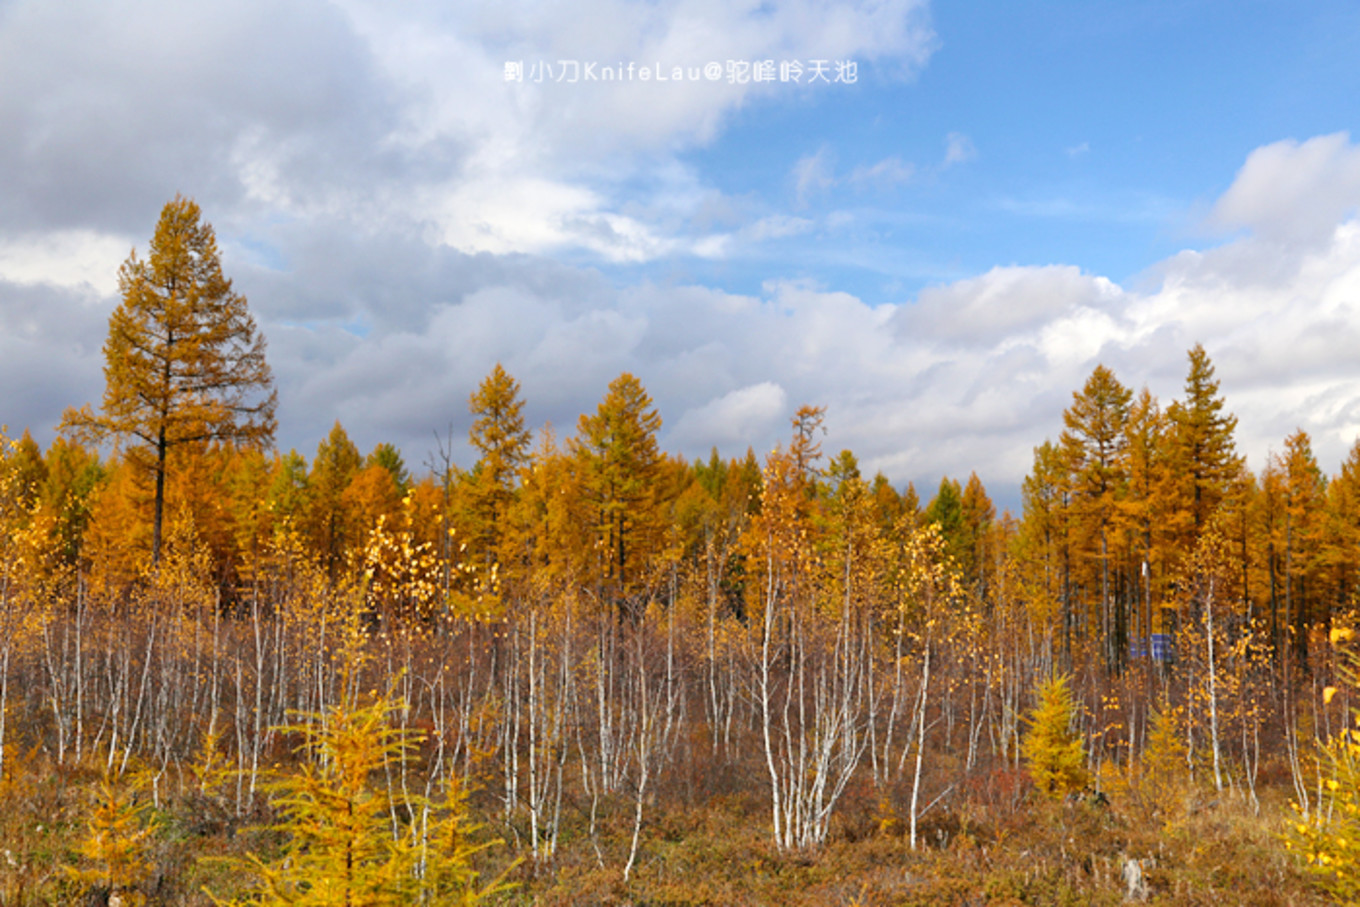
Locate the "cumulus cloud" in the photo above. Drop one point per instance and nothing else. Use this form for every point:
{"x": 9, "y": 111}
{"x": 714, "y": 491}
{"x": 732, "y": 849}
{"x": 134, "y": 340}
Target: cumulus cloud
{"x": 1292, "y": 191}
{"x": 381, "y": 117}
{"x": 79, "y": 259}
{"x": 734, "y": 418}
{"x": 390, "y": 333}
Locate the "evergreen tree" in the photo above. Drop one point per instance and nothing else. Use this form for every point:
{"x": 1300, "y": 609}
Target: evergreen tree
{"x": 946, "y": 511}
{"x": 388, "y": 456}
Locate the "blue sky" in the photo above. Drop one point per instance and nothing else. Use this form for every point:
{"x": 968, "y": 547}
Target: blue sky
{"x": 940, "y": 252}
{"x": 1102, "y": 132}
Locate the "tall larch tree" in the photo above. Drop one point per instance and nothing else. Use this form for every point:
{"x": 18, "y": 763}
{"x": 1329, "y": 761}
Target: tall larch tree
{"x": 183, "y": 361}
{"x": 1304, "y": 525}
{"x": 1045, "y": 539}
{"x": 502, "y": 442}
{"x": 978, "y": 513}
{"x": 1093, "y": 442}
{"x": 1203, "y": 454}
{"x": 620, "y": 466}
{"x": 1143, "y": 504}
{"x": 329, "y": 523}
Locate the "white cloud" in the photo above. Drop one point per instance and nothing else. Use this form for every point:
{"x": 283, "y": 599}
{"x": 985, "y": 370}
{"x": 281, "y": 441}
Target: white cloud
{"x": 891, "y": 171}
{"x": 387, "y": 116}
{"x": 958, "y": 149}
{"x": 734, "y": 418}
{"x": 567, "y": 141}
{"x": 80, "y": 259}
{"x": 1293, "y": 191}
{"x": 812, "y": 174}
{"x": 776, "y": 226}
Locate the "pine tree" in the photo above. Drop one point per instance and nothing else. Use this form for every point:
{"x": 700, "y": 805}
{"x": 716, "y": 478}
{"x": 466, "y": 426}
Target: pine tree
{"x": 945, "y": 510}
{"x": 388, "y": 456}
{"x": 183, "y": 361}
{"x": 1057, "y": 761}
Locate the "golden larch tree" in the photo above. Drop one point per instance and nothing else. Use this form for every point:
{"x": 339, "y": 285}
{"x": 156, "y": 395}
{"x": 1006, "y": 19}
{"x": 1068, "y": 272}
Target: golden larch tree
{"x": 183, "y": 362}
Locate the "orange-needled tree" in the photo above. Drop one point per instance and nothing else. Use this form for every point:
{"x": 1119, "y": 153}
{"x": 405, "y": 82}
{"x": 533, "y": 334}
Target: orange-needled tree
{"x": 183, "y": 363}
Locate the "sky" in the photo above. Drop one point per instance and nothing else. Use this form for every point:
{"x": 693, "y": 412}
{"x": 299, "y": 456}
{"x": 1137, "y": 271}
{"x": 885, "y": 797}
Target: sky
{"x": 934, "y": 219}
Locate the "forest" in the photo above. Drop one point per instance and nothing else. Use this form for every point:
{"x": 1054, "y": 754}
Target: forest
{"x": 582, "y": 670}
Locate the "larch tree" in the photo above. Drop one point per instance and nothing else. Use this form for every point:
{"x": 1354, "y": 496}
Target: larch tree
{"x": 1054, "y": 751}
{"x": 329, "y": 522}
{"x": 1343, "y": 529}
{"x": 1305, "y": 490}
{"x": 500, "y": 438}
{"x": 617, "y": 450}
{"x": 183, "y": 361}
{"x": 1093, "y": 441}
{"x": 1046, "y": 536}
{"x": 978, "y": 514}
{"x": 1203, "y": 452}
{"x": 1143, "y": 505}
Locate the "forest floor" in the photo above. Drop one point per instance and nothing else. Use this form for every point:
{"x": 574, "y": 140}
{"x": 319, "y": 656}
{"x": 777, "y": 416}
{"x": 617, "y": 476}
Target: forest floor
{"x": 1195, "y": 847}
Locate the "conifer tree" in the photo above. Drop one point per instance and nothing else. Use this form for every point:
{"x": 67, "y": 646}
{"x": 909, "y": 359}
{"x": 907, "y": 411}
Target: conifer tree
{"x": 1057, "y": 761}
{"x": 1093, "y": 442}
{"x": 341, "y": 847}
{"x": 1203, "y": 452}
{"x": 388, "y": 456}
{"x": 617, "y": 451}
{"x": 946, "y": 511}
{"x": 502, "y": 442}
{"x": 114, "y": 850}
{"x": 331, "y": 528}
{"x": 183, "y": 361}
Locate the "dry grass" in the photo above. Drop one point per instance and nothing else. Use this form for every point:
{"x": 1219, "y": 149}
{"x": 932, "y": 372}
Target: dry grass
{"x": 998, "y": 849}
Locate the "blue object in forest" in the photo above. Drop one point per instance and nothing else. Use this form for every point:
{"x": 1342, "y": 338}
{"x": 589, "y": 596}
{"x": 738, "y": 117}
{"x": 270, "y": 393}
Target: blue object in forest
{"x": 1138, "y": 647}
{"x": 1161, "y": 647}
